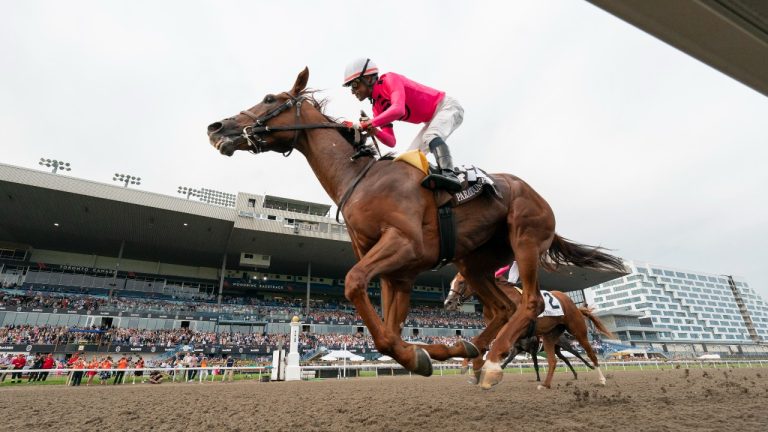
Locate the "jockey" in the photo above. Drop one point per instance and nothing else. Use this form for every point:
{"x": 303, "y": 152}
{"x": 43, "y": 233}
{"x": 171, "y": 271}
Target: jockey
{"x": 395, "y": 97}
{"x": 514, "y": 273}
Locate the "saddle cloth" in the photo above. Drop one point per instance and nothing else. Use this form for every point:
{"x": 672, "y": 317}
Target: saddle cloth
{"x": 552, "y": 305}
{"x": 473, "y": 179}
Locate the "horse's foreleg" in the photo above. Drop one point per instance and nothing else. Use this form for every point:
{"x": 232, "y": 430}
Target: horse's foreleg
{"x": 398, "y": 295}
{"x": 560, "y": 355}
{"x": 387, "y": 255}
{"x": 531, "y": 305}
{"x": 497, "y": 308}
{"x": 510, "y": 357}
{"x": 549, "y": 348}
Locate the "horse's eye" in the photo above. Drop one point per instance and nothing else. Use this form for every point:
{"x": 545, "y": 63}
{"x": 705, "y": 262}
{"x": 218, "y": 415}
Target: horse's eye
{"x": 269, "y": 98}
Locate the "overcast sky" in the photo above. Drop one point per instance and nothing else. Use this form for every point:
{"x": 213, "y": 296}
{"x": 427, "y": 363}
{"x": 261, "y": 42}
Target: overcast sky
{"x": 637, "y": 146}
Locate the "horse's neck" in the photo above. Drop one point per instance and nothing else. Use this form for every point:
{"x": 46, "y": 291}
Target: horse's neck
{"x": 328, "y": 153}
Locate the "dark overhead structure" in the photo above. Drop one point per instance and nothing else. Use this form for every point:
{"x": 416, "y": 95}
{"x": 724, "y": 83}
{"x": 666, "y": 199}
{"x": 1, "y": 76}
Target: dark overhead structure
{"x": 728, "y": 35}
{"x": 54, "y": 212}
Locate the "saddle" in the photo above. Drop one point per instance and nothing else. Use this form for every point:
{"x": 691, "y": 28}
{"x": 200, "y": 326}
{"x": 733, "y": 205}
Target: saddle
{"x": 474, "y": 183}
{"x": 474, "y": 180}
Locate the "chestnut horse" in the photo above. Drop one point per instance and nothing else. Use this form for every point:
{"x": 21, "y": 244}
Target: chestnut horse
{"x": 551, "y": 328}
{"x": 392, "y": 222}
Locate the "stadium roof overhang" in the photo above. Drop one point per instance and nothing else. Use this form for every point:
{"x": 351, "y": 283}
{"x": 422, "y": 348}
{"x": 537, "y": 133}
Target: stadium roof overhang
{"x": 728, "y": 35}
{"x": 95, "y": 218}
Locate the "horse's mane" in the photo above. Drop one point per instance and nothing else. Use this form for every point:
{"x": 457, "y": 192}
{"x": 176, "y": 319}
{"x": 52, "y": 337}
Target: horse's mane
{"x": 320, "y": 104}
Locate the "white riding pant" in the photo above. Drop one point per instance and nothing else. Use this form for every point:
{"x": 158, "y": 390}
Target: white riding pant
{"x": 448, "y": 117}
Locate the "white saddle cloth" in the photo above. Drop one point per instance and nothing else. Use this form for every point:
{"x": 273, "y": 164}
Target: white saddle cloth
{"x": 552, "y": 305}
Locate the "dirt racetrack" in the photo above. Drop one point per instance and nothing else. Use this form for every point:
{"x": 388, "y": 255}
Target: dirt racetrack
{"x": 667, "y": 400}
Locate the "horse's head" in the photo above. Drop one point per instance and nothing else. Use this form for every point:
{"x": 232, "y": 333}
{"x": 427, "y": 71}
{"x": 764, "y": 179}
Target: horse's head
{"x": 459, "y": 293}
{"x": 264, "y": 127}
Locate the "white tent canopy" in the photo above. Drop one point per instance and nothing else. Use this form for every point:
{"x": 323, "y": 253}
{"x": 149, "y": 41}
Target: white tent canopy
{"x": 335, "y": 355}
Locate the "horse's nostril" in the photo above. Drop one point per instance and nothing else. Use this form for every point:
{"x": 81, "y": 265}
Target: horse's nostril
{"x": 214, "y": 127}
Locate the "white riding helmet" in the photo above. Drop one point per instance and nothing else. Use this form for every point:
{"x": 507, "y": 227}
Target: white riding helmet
{"x": 358, "y": 68}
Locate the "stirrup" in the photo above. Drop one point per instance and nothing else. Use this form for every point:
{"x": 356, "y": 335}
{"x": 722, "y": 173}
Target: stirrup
{"x": 446, "y": 180}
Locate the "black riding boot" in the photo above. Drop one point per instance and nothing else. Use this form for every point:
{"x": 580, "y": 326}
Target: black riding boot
{"x": 447, "y": 178}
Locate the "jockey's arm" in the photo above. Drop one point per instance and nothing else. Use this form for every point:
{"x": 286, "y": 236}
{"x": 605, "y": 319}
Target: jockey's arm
{"x": 385, "y": 134}
{"x": 396, "y": 110}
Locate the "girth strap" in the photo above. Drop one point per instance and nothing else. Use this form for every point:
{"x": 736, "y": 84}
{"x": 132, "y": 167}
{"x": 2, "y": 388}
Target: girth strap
{"x": 447, "y": 227}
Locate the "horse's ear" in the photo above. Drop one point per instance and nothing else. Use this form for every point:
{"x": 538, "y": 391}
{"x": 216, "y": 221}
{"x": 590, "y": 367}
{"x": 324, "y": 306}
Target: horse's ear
{"x": 301, "y": 82}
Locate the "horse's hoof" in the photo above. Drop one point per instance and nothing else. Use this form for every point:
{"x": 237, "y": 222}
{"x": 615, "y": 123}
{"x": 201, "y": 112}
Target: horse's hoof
{"x": 540, "y": 387}
{"x": 491, "y": 375}
{"x": 470, "y": 349}
{"x": 602, "y": 382}
{"x": 464, "y": 370}
{"x": 476, "y": 378}
{"x": 423, "y": 363}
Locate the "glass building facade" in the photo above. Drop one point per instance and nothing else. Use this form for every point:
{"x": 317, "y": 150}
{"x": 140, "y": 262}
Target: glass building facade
{"x": 692, "y": 307}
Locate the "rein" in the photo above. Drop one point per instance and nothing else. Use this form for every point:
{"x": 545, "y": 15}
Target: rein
{"x": 346, "y": 195}
{"x": 253, "y": 133}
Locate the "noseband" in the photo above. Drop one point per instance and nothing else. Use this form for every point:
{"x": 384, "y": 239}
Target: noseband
{"x": 253, "y": 133}
{"x": 461, "y": 298}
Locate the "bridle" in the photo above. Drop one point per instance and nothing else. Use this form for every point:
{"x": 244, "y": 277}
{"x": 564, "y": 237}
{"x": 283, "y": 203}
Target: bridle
{"x": 459, "y": 293}
{"x": 253, "y": 133}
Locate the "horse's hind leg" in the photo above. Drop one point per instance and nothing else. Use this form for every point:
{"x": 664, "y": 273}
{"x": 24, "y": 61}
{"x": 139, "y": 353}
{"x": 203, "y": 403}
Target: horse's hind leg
{"x": 580, "y": 334}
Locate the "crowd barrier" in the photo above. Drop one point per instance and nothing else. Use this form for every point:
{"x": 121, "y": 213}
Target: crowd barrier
{"x": 350, "y": 370}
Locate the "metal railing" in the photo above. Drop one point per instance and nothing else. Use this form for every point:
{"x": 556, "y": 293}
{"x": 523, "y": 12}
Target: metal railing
{"x": 217, "y": 373}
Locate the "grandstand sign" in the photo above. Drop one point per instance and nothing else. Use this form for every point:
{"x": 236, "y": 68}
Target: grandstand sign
{"x": 80, "y": 269}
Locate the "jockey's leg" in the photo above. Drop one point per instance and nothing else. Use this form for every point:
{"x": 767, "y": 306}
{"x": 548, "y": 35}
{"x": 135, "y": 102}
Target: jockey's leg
{"x": 448, "y": 116}
{"x": 447, "y": 178}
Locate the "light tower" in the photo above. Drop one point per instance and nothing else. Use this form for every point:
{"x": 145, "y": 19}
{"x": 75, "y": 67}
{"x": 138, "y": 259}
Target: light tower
{"x": 55, "y": 164}
{"x": 209, "y": 196}
{"x": 127, "y": 179}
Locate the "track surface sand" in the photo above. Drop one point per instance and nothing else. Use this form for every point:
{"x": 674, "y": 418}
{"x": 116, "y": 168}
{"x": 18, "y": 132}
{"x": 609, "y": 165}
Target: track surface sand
{"x": 666, "y": 400}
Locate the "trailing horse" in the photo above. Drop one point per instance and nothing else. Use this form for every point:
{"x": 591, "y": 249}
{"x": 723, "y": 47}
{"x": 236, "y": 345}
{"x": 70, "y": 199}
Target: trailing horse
{"x": 551, "y": 328}
{"x": 393, "y": 224}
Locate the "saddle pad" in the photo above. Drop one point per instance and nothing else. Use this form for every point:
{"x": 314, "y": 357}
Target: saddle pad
{"x": 476, "y": 181}
{"x": 415, "y": 158}
{"x": 552, "y": 305}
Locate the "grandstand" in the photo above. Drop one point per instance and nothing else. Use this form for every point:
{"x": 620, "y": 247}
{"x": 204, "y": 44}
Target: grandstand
{"x": 155, "y": 272}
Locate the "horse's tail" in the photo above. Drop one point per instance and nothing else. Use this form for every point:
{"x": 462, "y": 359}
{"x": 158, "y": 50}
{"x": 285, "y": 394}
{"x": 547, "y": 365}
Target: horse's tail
{"x": 564, "y": 251}
{"x": 587, "y": 313}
